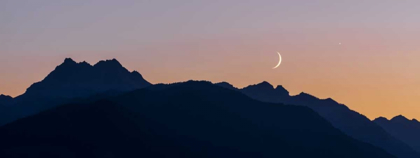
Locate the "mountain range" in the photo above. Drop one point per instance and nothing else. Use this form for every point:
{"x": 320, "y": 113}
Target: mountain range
{"x": 340, "y": 116}
{"x": 83, "y": 109}
{"x": 402, "y": 128}
{"x": 191, "y": 119}
{"x": 72, "y": 80}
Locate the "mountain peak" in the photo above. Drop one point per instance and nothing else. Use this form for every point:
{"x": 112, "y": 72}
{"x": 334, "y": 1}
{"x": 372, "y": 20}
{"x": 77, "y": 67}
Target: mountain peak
{"x": 136, "y": 73}
{"x": 69, "y": 63}
{"x": 109, "y": 61}
{"x": 110, "y": 65}
{"x": 306, "y": 95}
{"x": 69, "y": 60}
{"x": 84, "y": 63}
{"x": 264, "y": 91}
{"x": 72, "y": 79}
{"x": 264, "y": 85}
{"x": 226, "y": 85}
{"x": 315, "y": 100}
{"x": 330, "y": 100}
{"x": 260, "y": 86}
{"x": 381, "y": 119}
{"x": 280, "y": 88}
{"x": 400, "y": 118}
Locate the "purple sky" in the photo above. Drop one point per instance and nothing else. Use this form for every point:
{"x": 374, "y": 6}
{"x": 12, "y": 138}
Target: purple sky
{"x": 374, "y": 71}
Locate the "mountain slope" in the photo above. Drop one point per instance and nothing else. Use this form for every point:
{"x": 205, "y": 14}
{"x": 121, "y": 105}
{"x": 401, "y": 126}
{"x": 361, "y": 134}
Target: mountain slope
{"x": 402, "y": 128}
{"x": 5, "y": 100}
{"x": 339, "y": 115}
{"x": 192, "y": 119}
{"x": 72, "y": 80}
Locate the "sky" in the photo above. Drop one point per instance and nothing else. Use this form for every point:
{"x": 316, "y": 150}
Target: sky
{"x": 374, "y": 71}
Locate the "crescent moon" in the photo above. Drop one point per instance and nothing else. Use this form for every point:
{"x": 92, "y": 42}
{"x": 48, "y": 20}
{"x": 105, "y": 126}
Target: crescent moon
{"x": 279, "y": 61}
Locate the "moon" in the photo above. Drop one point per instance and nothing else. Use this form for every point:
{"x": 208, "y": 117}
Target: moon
{"x": 279, "y": 61}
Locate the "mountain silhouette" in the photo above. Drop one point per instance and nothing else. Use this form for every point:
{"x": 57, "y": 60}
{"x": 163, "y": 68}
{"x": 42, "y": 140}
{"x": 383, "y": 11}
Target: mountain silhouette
{"x": 5, "y": 100}
{"x": 402, "y": 128}
{"x": 79, "y": 83}
{"x": 339, "y": 115}
{"x": 72, "y": 80}
{"x": 266, "y": 92}
{"x": 191, "y": 119}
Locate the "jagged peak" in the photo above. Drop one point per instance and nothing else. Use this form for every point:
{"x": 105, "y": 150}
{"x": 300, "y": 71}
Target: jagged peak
{"x": 262, "y": 85}
{"x": 107, "y": 63}
{"x": 84, "y": 63}
{"x": 415, "y": 120}
{"x": 112, "y": 64}
{"x": 69, "y": 60}
{"x": 281, "y": 88}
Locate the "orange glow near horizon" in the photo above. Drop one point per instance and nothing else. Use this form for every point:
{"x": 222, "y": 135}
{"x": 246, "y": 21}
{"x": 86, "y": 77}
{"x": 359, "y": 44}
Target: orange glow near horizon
{"x": 363, "y": 54}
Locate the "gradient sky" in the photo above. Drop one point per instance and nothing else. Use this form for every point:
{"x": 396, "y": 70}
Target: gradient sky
{"x": 375, "y": 70}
